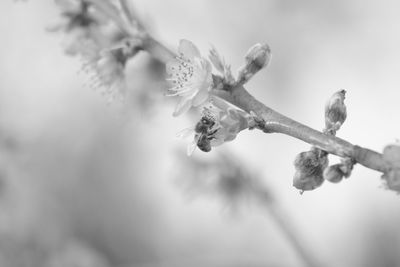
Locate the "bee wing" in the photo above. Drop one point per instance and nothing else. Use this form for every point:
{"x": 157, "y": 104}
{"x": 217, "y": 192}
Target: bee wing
{"x": 192, "y": 146}
{"x": 185, "y": 133}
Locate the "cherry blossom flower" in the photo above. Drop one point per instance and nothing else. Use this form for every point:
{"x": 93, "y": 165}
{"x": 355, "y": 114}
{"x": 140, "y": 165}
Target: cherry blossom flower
{"x": 220, "y": 122}
{"x": 190, "y": 75}
{"x": 223, "y": 178}
{"x": 107, "y": 67}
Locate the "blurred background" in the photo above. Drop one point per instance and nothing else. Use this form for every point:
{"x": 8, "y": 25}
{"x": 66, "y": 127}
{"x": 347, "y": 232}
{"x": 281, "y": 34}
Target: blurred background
{"x": 88, "y": 183}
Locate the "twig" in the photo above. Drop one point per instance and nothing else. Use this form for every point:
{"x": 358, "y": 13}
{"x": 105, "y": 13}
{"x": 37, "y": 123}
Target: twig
{"x": 278, "y": 123}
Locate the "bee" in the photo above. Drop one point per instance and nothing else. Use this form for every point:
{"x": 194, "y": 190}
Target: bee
{"x": 203, "y": 143}
{"x": 204, "y": 125}
{"x": 203, "y": 134}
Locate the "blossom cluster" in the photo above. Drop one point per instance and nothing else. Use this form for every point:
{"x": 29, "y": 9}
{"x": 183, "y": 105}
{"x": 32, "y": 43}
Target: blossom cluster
{"x": 191, "y": 78}
{"x": 106, "y": 35}
{"x": 104, "y": 48}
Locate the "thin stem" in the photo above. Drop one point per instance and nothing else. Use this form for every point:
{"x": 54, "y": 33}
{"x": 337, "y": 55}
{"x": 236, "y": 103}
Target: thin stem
{"x": 282, "y": 221}
{"x": 292, "y": 236}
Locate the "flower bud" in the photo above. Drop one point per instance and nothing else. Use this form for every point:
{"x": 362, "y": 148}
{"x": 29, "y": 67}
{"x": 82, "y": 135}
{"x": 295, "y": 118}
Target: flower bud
{"x": 391, "y": 155}
{"x": 333, "y": 173}
{"x": 335, "y": 112}
{"x": 392, "y": 178}
{"x": 305, "y": 182}
{"x": 256, "y": 58}
{"x": 309, "y": 169}
{"x": 346, "y": 166}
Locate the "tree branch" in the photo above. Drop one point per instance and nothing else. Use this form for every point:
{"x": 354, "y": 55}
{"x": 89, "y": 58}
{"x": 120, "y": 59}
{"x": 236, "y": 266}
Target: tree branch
{"x": 274, "y": 122}
{"x": 278, "y": 123}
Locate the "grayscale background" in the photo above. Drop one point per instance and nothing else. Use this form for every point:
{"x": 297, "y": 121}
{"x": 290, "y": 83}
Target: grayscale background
{"x": 90, "y": 184}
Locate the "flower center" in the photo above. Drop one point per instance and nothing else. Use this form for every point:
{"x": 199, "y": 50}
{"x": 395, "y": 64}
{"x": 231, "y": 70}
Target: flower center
{"x": 184, "y": 72}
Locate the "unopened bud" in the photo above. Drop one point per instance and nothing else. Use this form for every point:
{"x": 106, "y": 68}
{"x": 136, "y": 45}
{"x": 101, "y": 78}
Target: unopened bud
{"x": 392, "y": 178}
{"x": 335, "y": 112}
{"x": 346, "y": 166}
{"x": 309, "y": 169}
{"x": 305, "y": 182}
{"x": 256, "y": 58}
{"x": 391, "y": 155}
{"x": 333, "y": 173}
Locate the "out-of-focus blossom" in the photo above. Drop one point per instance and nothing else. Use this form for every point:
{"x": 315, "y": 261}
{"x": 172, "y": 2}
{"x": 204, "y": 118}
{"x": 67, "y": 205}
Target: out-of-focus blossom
{"x": 223, "y": 177}
{"x": 107, "y": 68}
{"x": 190, "y": 75}
{"x": 80, "y": 23}
{"x": 220, "y": 122}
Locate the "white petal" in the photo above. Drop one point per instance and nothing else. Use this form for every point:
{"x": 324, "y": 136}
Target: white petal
{"x": 183, "y": 106}
{"x": 200, "y": 98}
{"x": 216, "y": 59}
{"x": 220, "y": 103}
{"x": 184, "y": 91}
{"x": 207, "y": 66}
{"x": 188, "y": 49}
